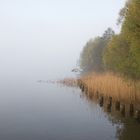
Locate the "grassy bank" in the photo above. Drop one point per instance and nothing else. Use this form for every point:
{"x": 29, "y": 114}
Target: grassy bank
{"x": 112, "y": 85}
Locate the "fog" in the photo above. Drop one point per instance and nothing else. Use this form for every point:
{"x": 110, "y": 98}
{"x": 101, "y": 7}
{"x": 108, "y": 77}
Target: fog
{"x": 42, "y": 39}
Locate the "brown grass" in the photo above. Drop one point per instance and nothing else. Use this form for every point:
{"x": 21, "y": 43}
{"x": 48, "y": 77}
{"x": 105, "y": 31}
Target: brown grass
{"x": 70, "y": 82}
{"x": 112, "y": 85}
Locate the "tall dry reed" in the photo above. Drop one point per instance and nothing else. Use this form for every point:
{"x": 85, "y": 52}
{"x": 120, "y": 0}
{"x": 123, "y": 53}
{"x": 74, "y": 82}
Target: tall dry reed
{"x": 112, "y": 85}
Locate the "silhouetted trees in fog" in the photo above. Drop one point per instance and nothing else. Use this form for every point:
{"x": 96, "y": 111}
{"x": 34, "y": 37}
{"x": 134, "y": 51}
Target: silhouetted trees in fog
{"x": 91, "y": 57}
{"x": 119, "y": 53}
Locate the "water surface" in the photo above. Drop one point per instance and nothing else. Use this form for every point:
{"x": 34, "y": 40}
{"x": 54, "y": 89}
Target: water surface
{"x": 30, "y": 110}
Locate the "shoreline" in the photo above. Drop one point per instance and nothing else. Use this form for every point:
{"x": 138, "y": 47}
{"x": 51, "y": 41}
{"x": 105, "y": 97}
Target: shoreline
{"x": 112, "y": 91}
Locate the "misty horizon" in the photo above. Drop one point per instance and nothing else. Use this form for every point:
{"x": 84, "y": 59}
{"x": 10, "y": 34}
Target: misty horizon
{"x": 47, "y": 36}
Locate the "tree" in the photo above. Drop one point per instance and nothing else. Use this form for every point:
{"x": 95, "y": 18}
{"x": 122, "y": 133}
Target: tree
{"x": 116, "y": 55}
{"x": 131, "y": 31}
{"x": 91, "y": 58}
{"x": 122, "y": 55}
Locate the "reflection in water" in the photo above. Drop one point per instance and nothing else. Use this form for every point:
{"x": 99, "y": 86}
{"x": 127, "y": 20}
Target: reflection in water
{"x": 41, "y": 111}
{"x": 31, "y": 110}
{"x": 121, "y": 114}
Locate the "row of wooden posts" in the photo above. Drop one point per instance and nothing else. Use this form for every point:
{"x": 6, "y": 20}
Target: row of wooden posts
{"x": 118, "y": 105}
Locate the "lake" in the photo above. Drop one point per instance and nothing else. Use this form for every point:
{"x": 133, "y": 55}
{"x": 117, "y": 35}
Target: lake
{"x": 30, "y": 110}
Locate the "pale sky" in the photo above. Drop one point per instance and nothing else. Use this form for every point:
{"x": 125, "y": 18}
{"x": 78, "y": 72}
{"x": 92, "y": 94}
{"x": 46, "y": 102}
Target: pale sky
{"x": 45, "y": 37}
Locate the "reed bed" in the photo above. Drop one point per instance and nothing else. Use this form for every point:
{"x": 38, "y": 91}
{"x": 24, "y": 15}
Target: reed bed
{"x": 70, "y": 82}
{"x": 112, "y": 85}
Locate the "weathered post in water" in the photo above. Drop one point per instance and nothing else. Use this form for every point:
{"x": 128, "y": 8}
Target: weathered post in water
{"x": 122, "y": 109}
{"x": 83, "y": 88}
{"x": 137, "y": 115}
{"x": 131, "y": 111}
{"x": 80, "y": 85}
{"x": 117, "y": 106}
{"x": 101, "y": 101}
{"x": 109, "y": 104}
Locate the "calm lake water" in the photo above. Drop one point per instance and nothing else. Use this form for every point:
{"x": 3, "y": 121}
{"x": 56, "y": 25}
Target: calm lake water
{"x": 39, "y": 111}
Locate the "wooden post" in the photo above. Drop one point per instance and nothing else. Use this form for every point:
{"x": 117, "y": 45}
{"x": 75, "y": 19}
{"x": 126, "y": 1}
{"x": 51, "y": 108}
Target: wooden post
{"x": 109, "y": 104}
{"x": 80, "y": 86}
{"x": 122, "y": 109}
{"x": 101, "y": 101}
{"x": 83, "y": 88}
{"x": 131, "y": 111}
{"x": 137, "y": 115}
{"x": 117, "y": 106}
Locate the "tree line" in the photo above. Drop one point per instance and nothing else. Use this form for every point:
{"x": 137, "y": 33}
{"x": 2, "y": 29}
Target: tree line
{"x": 119, "y": 53}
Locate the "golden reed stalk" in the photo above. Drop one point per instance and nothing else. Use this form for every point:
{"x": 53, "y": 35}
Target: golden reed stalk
{"x": 112, "y": 85}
